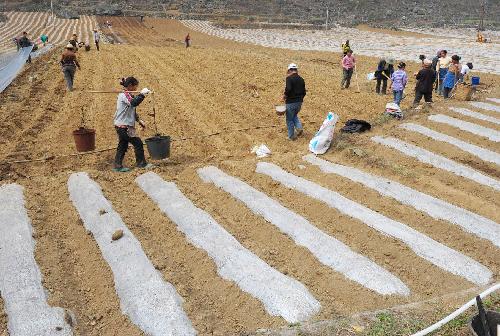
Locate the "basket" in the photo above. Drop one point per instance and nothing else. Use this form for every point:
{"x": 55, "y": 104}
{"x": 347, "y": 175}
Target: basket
{"x": 280, "y": 109}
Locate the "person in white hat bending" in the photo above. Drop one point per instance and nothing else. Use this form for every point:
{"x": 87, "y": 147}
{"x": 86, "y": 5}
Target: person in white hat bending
{"x": 69, "y": 63}
{"x": 295, "y": 91}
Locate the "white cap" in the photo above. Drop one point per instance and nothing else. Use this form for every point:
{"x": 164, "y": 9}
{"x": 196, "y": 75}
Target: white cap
{"x": 69, "y": 46}
{"x": 292, "y": 66}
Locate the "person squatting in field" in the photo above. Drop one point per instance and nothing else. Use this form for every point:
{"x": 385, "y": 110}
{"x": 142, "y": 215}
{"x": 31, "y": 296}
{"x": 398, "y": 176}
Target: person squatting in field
{"x": 295, "y": 91}
{"x": 125, "y": 118}
{"x": 24, "y": 42}
{"x": 69, "y": 63}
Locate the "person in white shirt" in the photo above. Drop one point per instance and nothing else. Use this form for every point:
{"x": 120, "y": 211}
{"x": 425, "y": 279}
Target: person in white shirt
{"x": 464, "y": 73}
{"x": 97, "y": 37}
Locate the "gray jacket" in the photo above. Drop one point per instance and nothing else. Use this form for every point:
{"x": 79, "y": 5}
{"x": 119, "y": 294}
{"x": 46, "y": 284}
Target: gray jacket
{"x": 125, "y": 109}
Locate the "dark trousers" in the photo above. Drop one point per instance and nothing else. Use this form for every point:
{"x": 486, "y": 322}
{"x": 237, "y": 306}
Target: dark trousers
{"x": 346, "y": 78}
{"x": 446, "y": 92}
{"x": 418, "y": 96}
{"x": 382, "y": 81}
{"x": 97, "y": 45}
{"x": 123, "y": 141}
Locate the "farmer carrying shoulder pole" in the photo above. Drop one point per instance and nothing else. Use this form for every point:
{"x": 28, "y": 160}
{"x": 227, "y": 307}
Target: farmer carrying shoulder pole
{"x": 295, "y": 91}
{"x": 125, "y": 119}
{"x": 69, "y": 63}
{"x": 348, "y": 63}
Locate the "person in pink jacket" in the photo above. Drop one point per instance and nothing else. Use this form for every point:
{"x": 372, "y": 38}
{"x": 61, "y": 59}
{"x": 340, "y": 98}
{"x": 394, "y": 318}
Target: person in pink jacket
{"x": 348, "y": 64}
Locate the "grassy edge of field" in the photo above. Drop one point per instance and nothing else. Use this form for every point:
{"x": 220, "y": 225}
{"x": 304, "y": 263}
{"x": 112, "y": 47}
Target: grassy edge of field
{"x": 397, "y": 321}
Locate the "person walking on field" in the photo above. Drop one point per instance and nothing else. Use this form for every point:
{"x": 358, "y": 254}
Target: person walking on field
{"x": 69, "y": 63}
{"x": 125, "y": 118}
{"x": 187, "y": 40}
{"x": 452, "y": 76}
{"x": 398, "y": 82}
{"x": 348, "y": 64}
{"x": 295, "y": 91}
{"x": 97, "y": 38}
{"x": 425, "y": 81}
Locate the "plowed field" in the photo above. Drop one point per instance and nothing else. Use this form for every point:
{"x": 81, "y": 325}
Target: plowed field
{"x": 216, "y": 100}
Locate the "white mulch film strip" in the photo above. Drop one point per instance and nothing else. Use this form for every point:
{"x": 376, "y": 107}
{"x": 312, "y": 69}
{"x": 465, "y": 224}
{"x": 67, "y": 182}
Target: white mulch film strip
{"x": 438, "y": 161}
{"x": 25, "y": 301}
{"x": 486, "y": 106}
{"x": 482, "y": 153}
{"x": 476, "y": 115}
{"x": 425, "y": 247}
{"x": 146, "y": 298}
{"x": 328, "y": 250}
{"x": 476, "y": 129}
{"x": 280, "y": 294}
{"x": 495, "y": 100}
{"x": 434, "y": 207}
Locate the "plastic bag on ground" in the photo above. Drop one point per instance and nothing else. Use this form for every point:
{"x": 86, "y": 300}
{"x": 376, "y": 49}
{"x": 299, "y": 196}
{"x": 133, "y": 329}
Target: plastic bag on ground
{"x": 261, "y": 151}
{"x": 322, "y": 140}
{"x": 393, "y": 110}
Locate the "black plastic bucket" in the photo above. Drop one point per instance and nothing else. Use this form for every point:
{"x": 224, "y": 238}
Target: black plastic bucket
{"x": 158, "y": 147}
{"x": 493, "y": 319}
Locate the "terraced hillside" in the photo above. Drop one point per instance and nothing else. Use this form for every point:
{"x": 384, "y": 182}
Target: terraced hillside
{"x": 37, "y": 23}
{"x": 214, "y": 241}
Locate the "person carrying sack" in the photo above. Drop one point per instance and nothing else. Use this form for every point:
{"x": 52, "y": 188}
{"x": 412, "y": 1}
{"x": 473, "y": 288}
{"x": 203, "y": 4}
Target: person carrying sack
{"x": 125, "y": 119}
{"x": 69, "y": 63}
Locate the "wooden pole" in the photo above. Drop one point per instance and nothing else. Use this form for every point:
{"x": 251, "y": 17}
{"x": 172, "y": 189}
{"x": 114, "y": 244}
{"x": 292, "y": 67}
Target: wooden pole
{"x": 111, "y": 91}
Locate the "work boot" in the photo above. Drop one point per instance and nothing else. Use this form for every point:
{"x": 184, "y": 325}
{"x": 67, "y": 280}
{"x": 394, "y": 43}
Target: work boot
{"x": 146, "y": 165}
{"x": 121, "y": 169}
{"x": 299, "y": 132}
{"x": 293, "y": 138}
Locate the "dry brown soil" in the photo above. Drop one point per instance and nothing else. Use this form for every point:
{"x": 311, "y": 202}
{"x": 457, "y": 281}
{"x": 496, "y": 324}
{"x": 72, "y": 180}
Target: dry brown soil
{"x": 216, "y": 101}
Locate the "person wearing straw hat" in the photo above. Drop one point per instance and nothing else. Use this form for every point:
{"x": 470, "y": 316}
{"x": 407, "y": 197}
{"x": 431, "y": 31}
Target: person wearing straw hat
{"x": 69, "y": 63}
{"x": 125, "y": 118}
{"x": 295, "y": 91}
